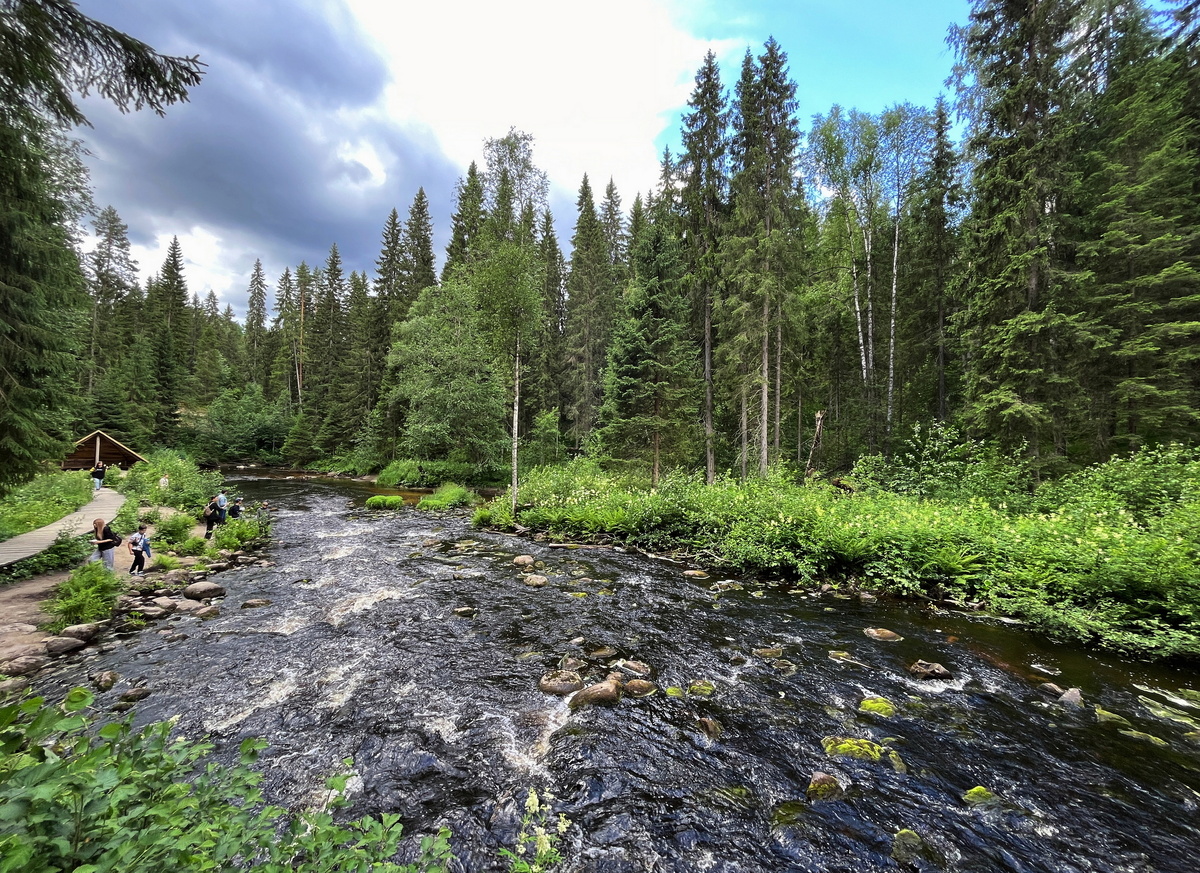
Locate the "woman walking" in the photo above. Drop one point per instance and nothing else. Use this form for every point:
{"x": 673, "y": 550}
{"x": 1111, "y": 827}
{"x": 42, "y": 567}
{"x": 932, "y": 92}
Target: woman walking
{"x": 105, "y": 541}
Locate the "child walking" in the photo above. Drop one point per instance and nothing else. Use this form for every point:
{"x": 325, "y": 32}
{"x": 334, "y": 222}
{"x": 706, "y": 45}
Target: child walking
{"x": 138, "y": 547}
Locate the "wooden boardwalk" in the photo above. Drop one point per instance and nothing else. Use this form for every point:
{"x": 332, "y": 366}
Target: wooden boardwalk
{"x": 104, "y": 504}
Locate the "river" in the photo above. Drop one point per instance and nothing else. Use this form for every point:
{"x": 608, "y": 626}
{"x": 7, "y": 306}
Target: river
{"x": 361, "y": 655}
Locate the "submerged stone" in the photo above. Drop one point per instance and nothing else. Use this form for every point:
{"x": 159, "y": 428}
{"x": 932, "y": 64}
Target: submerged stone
{"x": 878, "y": 706}
{"x": 695, "y": 574}
{"x": 1169, "y": 713}
{"x": 1072, "y": 697}
{"x": 907, "y": 846}
{"x": 640, "y": 688}
{"x": 702, "y": 688}
{"x": 533, "y": 580}
{"x": 674, "y": 691}
{"x": 845, "y": 658}
{"x": 863, "y": 750}
{"x": 882, "y": 634}
{"x": 1149, "y": 738}
{"x": 1105, "y": 717}
{"x": 710, "y": 727}
{"x": 607, "y": 693}
{"x": 822, "y": 786}
{"x": 770, "y": 652}
{"x": 929, "y": 670}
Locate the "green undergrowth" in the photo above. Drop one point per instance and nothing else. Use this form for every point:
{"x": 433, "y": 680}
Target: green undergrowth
{"x": 89, "y": 798}
{"x": 447, "y": 496}
{"x": 1091, "y": 560}
{"x": 43, "y": 501}
{"x": 88, "y": 594}
{"x": 67, "y": 550}
{"x": 385, "y": 501}
{"x": 188, "y": 487}
{"x": 430, "y": 474}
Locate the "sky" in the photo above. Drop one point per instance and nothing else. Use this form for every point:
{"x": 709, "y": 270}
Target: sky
{"x": 316, "y": 118}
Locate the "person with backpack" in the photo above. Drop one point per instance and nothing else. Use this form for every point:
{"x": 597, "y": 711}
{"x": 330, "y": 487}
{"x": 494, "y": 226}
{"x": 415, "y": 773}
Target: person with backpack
{"x": 138, "y": 547}
{"x": 211, "y": 515}
{"x": 105, "y": 542}
{"x": 222, "y": 505}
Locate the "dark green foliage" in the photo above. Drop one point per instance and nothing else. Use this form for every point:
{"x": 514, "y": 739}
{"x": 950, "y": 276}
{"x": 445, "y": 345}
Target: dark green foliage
{"x": 81, "y": 797}
{"x": 430, "y": 474}
{"x": 188, "y": 487}
{"x": 89, "y": 594}
{"x": 43, "y": 501}
{"x": 66, "y": 551}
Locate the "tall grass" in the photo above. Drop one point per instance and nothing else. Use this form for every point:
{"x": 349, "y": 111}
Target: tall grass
{"x": 43, "y": 501}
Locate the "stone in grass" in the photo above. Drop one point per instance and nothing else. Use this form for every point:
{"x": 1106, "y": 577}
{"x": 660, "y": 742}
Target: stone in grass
{"x": 822, "y": 786}
{"x": 880, "y": 706}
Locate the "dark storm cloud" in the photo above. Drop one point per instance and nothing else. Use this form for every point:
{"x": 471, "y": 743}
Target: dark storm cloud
{"x": 264, "y": 154}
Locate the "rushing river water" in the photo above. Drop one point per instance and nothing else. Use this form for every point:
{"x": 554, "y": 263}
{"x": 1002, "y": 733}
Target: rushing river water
{"x": 361, "y": 655}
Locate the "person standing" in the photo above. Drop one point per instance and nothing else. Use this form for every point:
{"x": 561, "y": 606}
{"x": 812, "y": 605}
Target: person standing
{"x": 235, "y": 511}
{"x": 98, "y": 475}
{"x": 211, "y": 515}
{"x": 137, "y": 548}
{"x": 105, "y": 542}
{"x": 222, "y": 505}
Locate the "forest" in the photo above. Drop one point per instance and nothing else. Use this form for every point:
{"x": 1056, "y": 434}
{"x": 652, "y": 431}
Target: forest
{"x": 1019, "y": 262}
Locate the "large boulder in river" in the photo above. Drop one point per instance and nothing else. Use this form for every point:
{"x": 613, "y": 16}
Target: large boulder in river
{"x": 560, "y": 682}
{"x": 203, "y": 591}
{"x": 607, "y": 692}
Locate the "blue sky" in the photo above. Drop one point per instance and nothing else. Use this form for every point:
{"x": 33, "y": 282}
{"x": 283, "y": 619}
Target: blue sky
{"x": 317, "y": 117}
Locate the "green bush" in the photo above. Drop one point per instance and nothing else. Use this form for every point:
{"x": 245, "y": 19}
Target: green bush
{"x": 447, "y": 496}
{"x": 43, "y": 501}
{"x": 385, "y": 501}
{"x": 165, "y": 562}
{"x": 237, "y": 532}
{"x": 76, "y": 798}
{"x": 430, "y": 474}
{"x": 188, "y": 487}
{"x": 88, "y": 594}
{"x": 191, "y": 546}
{"x": 173, "y": 529}
{"x": 67, "y": 550}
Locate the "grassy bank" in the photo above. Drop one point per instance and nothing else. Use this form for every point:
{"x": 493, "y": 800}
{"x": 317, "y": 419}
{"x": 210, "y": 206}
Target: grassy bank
{"x": 1109, "y": 556}
{"x": 44, "y": 501}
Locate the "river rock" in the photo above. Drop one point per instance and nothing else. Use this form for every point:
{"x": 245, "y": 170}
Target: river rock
{"x": 150, "y": 613}
{"x": 175, "y": 578}
{"x": 133, "y": 695}
{"x": 1072, "y": 697}
{"x": 188, "y": 606}
{"x": 702, "y": 688}
{"x": 166, "y": 604}
{"x": 465, "y": 611}
{"x": 607, "y": 692}
{"x": 710, "y": 727}
{"x": 1103, "y": 716}
{"x": 105, "y": 680}
{"x": 907, "y": 847}
{"x": 13, "y": 686}
{"x": 640, "y": 687}
{"x": 244, "y": 560}
{"x": 203, "y": 591}
{"x": 882, "y": 634}
{"x": 523, "y": 560}
{"x": 602, "y": 653}
{"x": 867, "y": 597}
{"x": 560, "y": 682}
{"x": 62, "y": 645}
{"x": 771, "y": 652}
{"x": 85, "y": 632}
{"x": 533, "y": 580}
{"x": 929, "y": 670}
{"x": 822, "y": 786}
{"x": 28, "y": 650}
{"x": 637, "y": 668}
{"x": 695, "y": 574}
{"x": 880, "y": 706}
{"x": 979, "y": 796}
{"x": 219, "y": 566}
{"x": 256, "y": 603}
{"x": 570, "y": 662}
{"x": 1052, "y": 689}
{"x": 208, "y": 612}
{"x": 26, "y": 665}
{"x": 863, "y": 750}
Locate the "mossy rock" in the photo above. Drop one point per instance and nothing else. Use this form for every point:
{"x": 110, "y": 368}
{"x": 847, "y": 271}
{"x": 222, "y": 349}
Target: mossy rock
{"x": 702, "y": 688}
{"x": 674, "y": 691}
{"x": 1105, "y": 717}
{"x": 880, "y": 706}
{"x": 863, "y": 750}
{"x": 823, "y": 787}
{"x": 979, "y": 796}
{"x": 907, "y": 846}
{"x": 1169, "y": 713}
{"x": 1149, "y": 738}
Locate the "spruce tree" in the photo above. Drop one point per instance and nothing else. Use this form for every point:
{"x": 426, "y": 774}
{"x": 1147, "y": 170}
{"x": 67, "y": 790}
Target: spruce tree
{"x": 256, "y": 327}
{"x": 466, "y": 222}
{"x": 417, "y": 258}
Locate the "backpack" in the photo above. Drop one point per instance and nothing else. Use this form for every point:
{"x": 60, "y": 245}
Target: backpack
{"x": 117, "y": 540}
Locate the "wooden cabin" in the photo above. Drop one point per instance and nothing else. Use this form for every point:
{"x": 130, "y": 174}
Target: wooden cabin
{"x": 99, "y": 446}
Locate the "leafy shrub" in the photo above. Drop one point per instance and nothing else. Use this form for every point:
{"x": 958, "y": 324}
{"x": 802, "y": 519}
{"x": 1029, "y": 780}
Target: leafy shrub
{"x": 174, "y": 529}
{"x": 188, "y": 487}
{"x": 165, "y": 562}
{"x": 236, "y": 532}
{"x": 191, "y": 546}
{"x": 82, "y": 799}
{"x": 43, "y": 501}
{"x": 88, "y": 594}
{"x": 67, "y": 550}
{"x": 446, "y": 496}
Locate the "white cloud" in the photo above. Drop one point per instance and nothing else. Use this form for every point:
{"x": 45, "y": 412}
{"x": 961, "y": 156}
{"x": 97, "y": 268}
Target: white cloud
{"x": 595, "y": 85}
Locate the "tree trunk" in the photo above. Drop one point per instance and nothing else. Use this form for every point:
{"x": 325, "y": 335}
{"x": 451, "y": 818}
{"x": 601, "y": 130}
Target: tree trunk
{"x": 892, "y": 327}
{"x": 814, "y": 452}
{"x": 710, "y": 453}
{"x": 764, "y": 410}
{"x": 778, "y": 375}
{"x": 745, "y": 425}
{"x": 516, "y": 415}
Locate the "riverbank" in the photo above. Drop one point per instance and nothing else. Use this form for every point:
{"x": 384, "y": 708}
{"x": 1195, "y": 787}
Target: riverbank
{"x": 1105, "y": 565}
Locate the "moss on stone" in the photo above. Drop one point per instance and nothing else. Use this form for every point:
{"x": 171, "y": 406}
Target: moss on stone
{"x": 1105, "y": 717}
{"x": 978, "y": 796}
{"x": 674, "y": 691}
{"x": 702, "y": 688}
{"x": 907, "y": 846}
{"x": 1149, "y": 738}
{"x": 850, "y": 747}
{"x": 878, "y": 706}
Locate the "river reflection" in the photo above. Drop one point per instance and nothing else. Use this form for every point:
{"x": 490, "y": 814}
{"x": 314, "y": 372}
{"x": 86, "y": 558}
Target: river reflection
{"x": 361, "y": 655}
